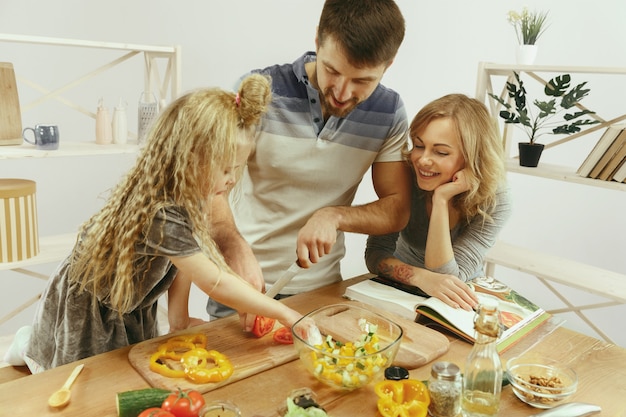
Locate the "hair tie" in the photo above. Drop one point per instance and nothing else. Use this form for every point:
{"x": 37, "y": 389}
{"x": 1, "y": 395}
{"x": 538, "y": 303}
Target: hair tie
{"x": 237, "y": 99}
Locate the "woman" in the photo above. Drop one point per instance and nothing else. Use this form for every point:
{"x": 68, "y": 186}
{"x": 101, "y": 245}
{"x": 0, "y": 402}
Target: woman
{"x": 154, "y": 235}
{"x": 459, "y": 202}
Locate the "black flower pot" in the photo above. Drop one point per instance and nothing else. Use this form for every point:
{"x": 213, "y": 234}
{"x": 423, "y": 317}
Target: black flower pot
{"x": 529, "y": 154}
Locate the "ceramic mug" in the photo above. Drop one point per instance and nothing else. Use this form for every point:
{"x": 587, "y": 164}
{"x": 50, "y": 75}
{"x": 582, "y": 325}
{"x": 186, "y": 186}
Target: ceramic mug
{"x": 46, "y": 137}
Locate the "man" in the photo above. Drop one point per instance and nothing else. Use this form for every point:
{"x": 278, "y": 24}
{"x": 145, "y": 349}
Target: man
{"x": 329, "y": 122}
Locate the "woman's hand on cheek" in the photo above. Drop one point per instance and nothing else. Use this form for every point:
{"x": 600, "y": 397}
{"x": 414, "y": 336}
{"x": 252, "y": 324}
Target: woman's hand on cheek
{"x": 457, "y": 185}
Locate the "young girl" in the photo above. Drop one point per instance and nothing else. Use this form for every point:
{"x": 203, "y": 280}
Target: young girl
{"x": 154, "y": 234}
{"x": 459, "y": 202}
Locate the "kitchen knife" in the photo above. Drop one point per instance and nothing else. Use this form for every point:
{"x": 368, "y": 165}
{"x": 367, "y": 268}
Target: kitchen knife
{"x": 284, "y": 279}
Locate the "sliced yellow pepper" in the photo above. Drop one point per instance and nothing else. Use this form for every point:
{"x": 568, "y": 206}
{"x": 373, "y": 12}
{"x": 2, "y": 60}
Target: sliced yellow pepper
{"x": 196, "y": 363}
{"x": 404, "y": 398}
{"x": 158, "y": 365}
{"x": 198, "y": 339}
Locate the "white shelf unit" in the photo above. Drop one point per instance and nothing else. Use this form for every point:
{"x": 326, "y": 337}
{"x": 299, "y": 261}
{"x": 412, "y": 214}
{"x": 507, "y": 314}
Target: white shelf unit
{"x": 166, "y": 85}
{"x": 488, "y": 73}
{"x": 547, "y": 268}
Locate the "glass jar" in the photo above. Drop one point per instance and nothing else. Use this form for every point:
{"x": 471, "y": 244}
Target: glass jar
{"x": 445, "y": 389}
{"x": 220, "y": 408}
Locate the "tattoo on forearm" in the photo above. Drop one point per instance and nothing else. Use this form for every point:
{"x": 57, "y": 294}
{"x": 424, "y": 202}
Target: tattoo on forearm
{"x": 400, "y": 273}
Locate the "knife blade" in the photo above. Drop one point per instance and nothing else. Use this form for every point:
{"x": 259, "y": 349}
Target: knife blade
{"x": 284, "y": 279}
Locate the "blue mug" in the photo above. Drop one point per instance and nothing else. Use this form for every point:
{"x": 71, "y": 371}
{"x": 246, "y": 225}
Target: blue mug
{"x": 46, "y": 137}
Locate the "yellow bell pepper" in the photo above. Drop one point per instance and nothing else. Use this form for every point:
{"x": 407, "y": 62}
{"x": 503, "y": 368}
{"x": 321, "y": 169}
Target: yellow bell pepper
{"x": 404, "y": 398}
{"x": 158, "y": 365}
{"x": 197, "y": 364}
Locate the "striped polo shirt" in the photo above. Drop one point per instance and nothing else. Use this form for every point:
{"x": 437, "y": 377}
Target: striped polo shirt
{"x": 301, "y": 164}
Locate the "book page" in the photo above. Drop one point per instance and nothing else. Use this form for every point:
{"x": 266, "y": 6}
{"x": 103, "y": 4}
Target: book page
{"x": 371, "y": 292}
{"x": 518, "y": 315}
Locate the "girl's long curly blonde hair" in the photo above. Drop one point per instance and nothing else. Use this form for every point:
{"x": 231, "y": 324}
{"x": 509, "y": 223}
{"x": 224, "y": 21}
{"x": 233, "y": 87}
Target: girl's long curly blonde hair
{"x": 191, "y": 140}
{"x": 481, "y": 147}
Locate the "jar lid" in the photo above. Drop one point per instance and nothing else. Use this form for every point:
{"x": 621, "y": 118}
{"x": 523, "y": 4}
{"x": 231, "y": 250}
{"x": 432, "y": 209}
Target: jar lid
{"x": 446, "y": 371}
{"x": 396, "y": 373}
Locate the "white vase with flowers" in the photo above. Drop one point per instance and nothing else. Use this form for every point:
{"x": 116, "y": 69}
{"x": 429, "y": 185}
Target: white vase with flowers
{"x": 529, "y": 26}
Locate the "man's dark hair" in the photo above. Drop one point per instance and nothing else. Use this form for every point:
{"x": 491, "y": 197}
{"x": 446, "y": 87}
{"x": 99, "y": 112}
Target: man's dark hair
{"x": 369, "y": 31}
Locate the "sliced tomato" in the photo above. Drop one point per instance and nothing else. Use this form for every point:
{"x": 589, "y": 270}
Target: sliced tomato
{"x": 284, "y": 336}
{"x": 155, "y": 412}
{"x": 262, "y": 326}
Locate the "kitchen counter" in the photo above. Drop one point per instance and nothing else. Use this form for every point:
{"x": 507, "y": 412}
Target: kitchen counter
{"x": 600, "y": 366}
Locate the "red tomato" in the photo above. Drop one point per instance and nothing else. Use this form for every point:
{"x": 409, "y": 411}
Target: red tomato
{"x": 262, "y": 326}
{"x": 284, "y": 336}
{"x": 187, "y": 403}
{"x": 155, "y": 412}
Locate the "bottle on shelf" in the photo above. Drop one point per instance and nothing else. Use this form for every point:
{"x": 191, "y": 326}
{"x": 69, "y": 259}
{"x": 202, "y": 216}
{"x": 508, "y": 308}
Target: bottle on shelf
{"x": 120, "y": 123}
{"x": 147, "y": 112}
{"x": 482, "y": 380}
{"x": 104, "y": 136}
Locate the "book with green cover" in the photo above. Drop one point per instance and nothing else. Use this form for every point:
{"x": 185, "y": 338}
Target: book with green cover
{"x": 518, "y": 315}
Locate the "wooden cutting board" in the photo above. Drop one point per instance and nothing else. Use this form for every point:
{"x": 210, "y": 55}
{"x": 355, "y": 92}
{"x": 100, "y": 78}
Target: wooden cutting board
{"x": 250, "y": 355}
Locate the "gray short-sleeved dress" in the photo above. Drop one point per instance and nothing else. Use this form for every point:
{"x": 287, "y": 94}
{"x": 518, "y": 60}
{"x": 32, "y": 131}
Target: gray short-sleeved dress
{"x": 66, "y": 327}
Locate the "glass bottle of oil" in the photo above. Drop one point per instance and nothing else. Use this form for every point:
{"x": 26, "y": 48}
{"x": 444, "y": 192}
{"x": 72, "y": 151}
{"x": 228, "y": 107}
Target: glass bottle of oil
{"x": 482, "y": 382}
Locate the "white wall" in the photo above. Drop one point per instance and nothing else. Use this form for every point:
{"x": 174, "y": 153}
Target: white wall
{"x": 445, "y": 40}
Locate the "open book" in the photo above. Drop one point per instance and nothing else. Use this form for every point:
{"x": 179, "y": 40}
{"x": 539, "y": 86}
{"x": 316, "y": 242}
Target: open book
{"x": 518, "y": 315}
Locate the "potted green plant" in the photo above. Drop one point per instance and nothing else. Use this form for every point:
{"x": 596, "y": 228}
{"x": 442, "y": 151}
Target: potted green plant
{"x": 538, "y": 120}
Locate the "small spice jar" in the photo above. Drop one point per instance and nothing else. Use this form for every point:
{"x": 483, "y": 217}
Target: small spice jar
{"x": 445, "y": 387}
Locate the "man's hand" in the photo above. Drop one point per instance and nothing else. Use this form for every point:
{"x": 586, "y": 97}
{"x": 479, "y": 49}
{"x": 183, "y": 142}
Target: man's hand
{"x": 317, "y": 236}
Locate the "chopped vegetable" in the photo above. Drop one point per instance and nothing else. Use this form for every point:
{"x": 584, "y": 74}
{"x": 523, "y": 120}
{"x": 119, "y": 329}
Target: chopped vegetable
{"x": 202, "y": 366}
{"x": 402, "y": 398}
{"x": 284, "y": 336}
{"x": 262, "y": 326}
{"x": 350, "y": 364}
{"x": 159, "y": 364}
{"x": 294, "y": 410}
{"x": 189, "y": 359}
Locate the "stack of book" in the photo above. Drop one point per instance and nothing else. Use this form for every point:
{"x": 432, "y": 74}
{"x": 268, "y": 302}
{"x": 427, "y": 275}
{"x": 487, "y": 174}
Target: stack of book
{"x": 607, "y": 159}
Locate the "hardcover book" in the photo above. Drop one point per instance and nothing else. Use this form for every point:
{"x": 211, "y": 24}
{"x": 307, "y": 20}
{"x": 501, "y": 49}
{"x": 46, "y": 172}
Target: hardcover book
{"x": 616, "y": 160}
{"x": 603, "y": 144}
{"x": 620, "y": 173}
{"x": 518, "y": 315}
{"x": 608, "y": 155}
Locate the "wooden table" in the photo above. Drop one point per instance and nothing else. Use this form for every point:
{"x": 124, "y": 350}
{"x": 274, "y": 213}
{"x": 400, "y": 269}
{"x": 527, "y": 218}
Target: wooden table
{"x": 601, "y": 368}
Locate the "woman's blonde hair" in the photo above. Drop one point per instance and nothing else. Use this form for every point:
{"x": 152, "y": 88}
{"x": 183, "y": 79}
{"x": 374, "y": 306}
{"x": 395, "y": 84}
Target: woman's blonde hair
{"x": 192, "y": 139}
{"x": 481, "y": 147}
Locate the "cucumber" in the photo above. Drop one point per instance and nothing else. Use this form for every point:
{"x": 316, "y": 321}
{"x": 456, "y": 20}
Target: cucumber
{"x": 132, "y": 403}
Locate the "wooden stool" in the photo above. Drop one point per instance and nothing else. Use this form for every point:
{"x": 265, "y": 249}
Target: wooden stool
{"x": 19, "y": 238}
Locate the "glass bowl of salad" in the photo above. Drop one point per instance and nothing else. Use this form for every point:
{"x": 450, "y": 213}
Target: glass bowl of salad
{"x": 346, "y": 346}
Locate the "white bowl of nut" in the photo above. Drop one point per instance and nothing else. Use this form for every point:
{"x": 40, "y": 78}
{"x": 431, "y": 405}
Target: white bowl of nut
{"x": 541, "y": 383}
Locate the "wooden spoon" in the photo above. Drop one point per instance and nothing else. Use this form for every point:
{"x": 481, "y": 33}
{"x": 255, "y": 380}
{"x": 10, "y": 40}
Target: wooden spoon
{"x": 61, "y": 397}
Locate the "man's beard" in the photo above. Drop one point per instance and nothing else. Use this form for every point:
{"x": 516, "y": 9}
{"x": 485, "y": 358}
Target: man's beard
{"x": 330, "y": 110}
